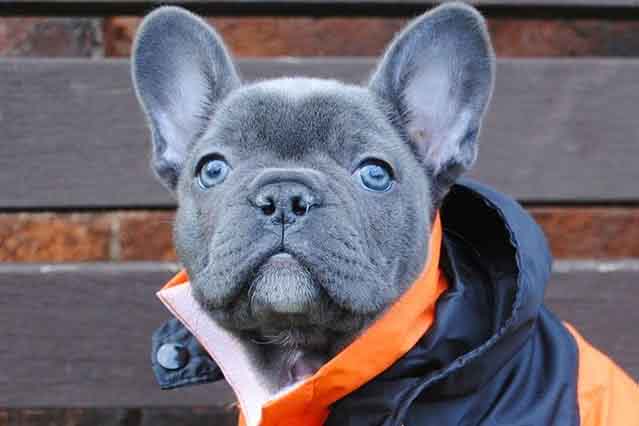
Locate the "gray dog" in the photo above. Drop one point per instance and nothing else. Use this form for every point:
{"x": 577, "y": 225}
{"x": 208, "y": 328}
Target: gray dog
{"x": 305, "y": 204}
{"x": 308, "y": 207}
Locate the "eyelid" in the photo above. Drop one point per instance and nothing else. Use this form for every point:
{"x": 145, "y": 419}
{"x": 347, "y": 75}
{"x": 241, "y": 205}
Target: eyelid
{"x": 376, "y": 159}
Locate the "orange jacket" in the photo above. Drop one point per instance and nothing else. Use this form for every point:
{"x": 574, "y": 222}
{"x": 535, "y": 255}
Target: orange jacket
{"x": 465, "y": 345}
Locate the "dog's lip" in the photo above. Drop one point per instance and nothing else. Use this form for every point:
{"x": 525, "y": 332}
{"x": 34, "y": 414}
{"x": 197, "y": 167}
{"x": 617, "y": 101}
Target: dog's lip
{"x": 281, "y": 258}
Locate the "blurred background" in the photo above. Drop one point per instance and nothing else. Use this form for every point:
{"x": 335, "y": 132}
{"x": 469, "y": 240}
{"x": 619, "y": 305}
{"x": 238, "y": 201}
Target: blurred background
{"x": 85, "y": 231}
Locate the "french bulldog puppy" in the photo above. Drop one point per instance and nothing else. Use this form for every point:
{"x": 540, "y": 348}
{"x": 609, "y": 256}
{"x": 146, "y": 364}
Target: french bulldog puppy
{"x": 305, "y": 204}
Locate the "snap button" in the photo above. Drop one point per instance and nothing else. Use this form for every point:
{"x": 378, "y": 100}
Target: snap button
{"x": 172, "y": 356}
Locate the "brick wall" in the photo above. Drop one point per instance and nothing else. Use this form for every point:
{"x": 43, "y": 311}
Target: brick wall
{"x": 53, "y": 37}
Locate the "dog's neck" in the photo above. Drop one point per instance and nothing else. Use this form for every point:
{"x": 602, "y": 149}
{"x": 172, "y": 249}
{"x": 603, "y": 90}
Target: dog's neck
{"x": 283, "y": 366}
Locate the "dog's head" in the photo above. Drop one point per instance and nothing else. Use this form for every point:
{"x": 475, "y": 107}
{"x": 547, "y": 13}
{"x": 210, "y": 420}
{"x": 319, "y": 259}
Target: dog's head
{"x": 305, "y": 205}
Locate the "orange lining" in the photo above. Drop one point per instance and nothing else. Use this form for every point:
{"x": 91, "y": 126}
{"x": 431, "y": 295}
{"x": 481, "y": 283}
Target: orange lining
{"x": 607, "y": 396}
{"x": 383, "y": 343}
{"x": 180, "y": 278}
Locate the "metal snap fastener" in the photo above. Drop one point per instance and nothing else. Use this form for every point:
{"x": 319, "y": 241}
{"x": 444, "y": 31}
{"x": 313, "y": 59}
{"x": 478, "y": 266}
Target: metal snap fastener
{"x": 172, "y": 356}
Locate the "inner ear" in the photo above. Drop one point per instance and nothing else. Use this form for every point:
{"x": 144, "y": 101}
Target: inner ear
{"x": 438, "y": 75}
{"x": 181, "y": 71}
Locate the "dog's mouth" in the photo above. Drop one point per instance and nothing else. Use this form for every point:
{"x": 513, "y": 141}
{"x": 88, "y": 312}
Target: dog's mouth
{"x": 281, "y": 259}
{"x": 279, "y": 297}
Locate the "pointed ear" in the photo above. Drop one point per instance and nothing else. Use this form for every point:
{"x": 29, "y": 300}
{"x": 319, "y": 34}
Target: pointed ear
{"x": 181, "y": 70}
{"x": 438, "y": 76}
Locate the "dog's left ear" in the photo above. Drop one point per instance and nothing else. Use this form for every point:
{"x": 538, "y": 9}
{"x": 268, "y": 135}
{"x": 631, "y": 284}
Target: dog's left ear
{"x": 181, "y": 70}
{"x": 438, "y": 75}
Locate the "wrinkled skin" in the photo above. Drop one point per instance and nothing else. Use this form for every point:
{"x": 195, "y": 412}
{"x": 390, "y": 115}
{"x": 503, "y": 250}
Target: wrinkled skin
{"x": 354, "y": 251}
{"x": 291, "y": 249}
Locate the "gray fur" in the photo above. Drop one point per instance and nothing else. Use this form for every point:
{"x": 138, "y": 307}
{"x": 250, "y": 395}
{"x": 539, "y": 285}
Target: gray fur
{"x": 181, "y": 69}
{"x": 351, "y": 251}
{"x": 438, "y": 74}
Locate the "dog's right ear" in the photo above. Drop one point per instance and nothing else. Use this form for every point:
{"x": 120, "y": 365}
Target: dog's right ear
{"x": 438, "y": 75}
{"x": 181, "y": 70}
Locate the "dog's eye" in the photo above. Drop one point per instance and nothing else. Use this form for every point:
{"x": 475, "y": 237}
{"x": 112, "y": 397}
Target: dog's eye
{"x": 212, "y": 172}
{"x": 375, "y": 176}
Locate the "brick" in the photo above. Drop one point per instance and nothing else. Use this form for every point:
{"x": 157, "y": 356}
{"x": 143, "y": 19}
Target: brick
{"x": 146, "y": 235}
{"x": 590, "y": 232}
{"x": 48, "y": 237}
{"x": 573, "y": 232}
{"x": 564, "y": 37}
{"x": 279, "y": 36}
{"x": 43, "y": 36}
{"x": 304, "y": 36}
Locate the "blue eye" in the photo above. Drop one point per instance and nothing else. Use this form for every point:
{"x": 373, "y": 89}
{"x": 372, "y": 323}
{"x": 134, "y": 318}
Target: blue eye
{"x": 212, "y": 172}
{"x": 375, "y": 176}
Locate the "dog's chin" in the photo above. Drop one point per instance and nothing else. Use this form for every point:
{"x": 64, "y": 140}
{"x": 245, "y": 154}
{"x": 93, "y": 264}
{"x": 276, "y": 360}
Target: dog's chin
{"x": 282, "y": 287}
{"x": 288, "y": 304}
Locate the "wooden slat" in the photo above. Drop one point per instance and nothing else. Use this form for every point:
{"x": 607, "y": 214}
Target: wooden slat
{"x": 163, "y": 416}
{"x": 599, "y": 299}
{"x": 78, "y": 335}
{"x": 71, "y": 134}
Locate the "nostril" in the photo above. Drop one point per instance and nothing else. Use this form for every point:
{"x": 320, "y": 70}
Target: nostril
{"x": 300, "y": 207}
{"x": 269, "y": 207}
{"x": 268, "y": 210}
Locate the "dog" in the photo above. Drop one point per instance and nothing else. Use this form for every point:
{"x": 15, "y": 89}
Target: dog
{"x": 306, "y": 207}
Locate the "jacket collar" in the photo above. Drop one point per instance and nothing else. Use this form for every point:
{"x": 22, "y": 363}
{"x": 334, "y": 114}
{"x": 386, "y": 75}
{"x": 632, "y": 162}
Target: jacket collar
{"x": 403, "y": 324}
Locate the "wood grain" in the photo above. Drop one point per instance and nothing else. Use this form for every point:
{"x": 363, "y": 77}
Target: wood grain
{"x": 78, "y": 335}
{"x": 559, "y": 130}
{"x": 184, "y": 416}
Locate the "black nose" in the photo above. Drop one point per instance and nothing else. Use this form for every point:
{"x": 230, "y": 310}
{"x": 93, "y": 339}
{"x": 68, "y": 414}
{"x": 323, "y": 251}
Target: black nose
{"x": 285, "y": 201}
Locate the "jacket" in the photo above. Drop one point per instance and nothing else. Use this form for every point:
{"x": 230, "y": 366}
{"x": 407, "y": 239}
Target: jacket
{"x": 470, "y": 343}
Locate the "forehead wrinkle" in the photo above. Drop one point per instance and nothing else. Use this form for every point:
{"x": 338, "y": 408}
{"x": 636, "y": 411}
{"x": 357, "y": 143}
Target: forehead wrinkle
{"x": 294, "y": 116}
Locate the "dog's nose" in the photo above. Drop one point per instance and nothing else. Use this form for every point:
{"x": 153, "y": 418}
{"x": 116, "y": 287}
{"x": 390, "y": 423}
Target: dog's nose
{"x": 285, "y": 195}
{"x": 285, "y": 201}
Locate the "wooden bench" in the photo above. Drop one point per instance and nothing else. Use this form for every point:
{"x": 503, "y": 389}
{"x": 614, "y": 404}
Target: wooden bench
{"x": 560, "y": 132}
